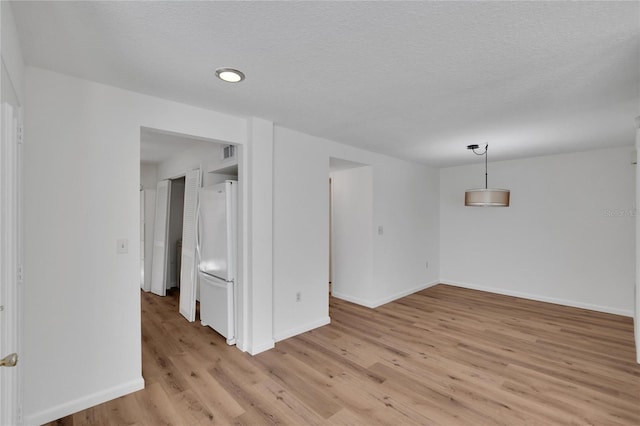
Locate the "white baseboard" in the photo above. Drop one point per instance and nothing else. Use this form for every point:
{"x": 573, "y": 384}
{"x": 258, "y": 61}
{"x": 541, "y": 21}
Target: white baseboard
{"x": 637, "y": 335}
{"x": 302, "y": 329}
{"x": 402, "y": 294}
{"x": 83, "y": 403}
{"x": 352, "y": 299}
{"x": 539, "y": 298}
{"x": 258, "y": 348}
{"x": 636, "y": 322}
{"x": 375, "y": 303}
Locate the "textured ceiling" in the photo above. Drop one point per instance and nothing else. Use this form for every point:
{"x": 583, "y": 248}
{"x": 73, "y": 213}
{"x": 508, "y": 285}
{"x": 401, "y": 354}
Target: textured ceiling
{"x": 416, "y": 80}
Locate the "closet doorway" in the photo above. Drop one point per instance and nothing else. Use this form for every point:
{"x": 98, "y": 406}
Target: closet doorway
{"x": 174, "y": 237}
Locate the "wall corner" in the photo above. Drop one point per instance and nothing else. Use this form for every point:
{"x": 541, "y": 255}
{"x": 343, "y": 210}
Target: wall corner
{"x": 259, "y": 295}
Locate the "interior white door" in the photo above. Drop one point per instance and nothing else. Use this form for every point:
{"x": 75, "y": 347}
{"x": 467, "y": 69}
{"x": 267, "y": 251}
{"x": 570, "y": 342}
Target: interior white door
{"x": 10, "y": 273}
{"x": 160, "y": 235}
{"x": 188, "y": 276}
{"x": 147, "y": 224}
{"x": 142, "y": 213}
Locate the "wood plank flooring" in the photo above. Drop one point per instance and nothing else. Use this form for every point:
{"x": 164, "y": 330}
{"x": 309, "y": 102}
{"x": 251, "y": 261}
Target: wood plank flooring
{"x": 443, "y": 356}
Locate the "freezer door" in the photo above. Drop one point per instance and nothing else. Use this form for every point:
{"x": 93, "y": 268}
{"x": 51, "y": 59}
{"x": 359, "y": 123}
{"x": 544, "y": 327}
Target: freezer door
{"x": 217, "y": 306}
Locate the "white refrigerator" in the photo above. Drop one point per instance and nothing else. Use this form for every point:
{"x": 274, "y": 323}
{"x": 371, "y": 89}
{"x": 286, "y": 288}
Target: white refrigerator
{"x": 216, "y": 247}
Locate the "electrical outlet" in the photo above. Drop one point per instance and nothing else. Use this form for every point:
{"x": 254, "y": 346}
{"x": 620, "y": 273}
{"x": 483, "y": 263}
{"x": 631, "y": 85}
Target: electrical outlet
{"x": 298, "y": 297}
{"x": 427, "y": 265}
{"x": 380, "y": 230}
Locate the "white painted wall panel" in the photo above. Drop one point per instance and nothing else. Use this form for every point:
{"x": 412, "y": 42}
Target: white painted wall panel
{"x": 300, "y": 234}
{"x": 260, "y": 297}
{"x": 149, "y": 176}
{"x": 12, "y": 93}
{"x": 12, "y": 59}
{"x": 567, "y": 237}
{"x": 200, "y": 157}
{"x": 406, "y": 204}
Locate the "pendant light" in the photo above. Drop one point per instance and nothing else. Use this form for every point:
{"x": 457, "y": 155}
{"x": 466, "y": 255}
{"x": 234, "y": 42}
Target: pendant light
{"x": 485, "y": 197}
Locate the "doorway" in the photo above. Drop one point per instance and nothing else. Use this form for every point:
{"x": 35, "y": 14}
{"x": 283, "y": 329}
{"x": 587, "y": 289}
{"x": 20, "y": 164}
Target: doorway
{"x": 350, "y": 229}
{"x": 176, "y": 166}
{"x": 167, "y": 161}
{"x": 174, "y": 238}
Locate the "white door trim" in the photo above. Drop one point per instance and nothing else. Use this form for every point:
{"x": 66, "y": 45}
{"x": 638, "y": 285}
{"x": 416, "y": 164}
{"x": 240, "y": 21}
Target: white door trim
{"x": 9, "y": 298}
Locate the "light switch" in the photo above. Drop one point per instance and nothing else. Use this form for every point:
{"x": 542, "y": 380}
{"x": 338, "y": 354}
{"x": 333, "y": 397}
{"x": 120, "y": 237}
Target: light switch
{"x": 123, "y": 246}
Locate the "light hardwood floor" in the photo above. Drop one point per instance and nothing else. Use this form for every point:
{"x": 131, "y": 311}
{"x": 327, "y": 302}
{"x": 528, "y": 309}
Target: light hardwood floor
{"x": 443, "y": 356}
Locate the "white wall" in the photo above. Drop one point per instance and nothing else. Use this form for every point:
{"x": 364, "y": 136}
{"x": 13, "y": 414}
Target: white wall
{"x": 8, "y": 94}
{"x": 405, "y": 203}
{"x": 12, "y": 93}
{"x": 12, "y": 61}
{"x": 260, "y": 215}
{"x": 82, "y": 300}
{"x": 352, "y": 239}
{"x": 148, "y": 175}
{"x": 568, "y": 236}
{"x": 300, "y": 233}
{"x": 205, "y": 157}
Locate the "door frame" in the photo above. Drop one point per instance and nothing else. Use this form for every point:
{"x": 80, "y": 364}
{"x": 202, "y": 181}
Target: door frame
{"x": 244, "y": 339}
{"x": 10, "y": 259}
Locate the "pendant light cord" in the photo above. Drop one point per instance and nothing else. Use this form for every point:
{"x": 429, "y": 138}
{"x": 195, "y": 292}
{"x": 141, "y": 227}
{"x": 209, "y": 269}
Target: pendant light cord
{"x": 486, "y": 160}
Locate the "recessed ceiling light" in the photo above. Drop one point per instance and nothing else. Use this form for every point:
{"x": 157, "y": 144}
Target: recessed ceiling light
{"x": 229, "y": 75}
